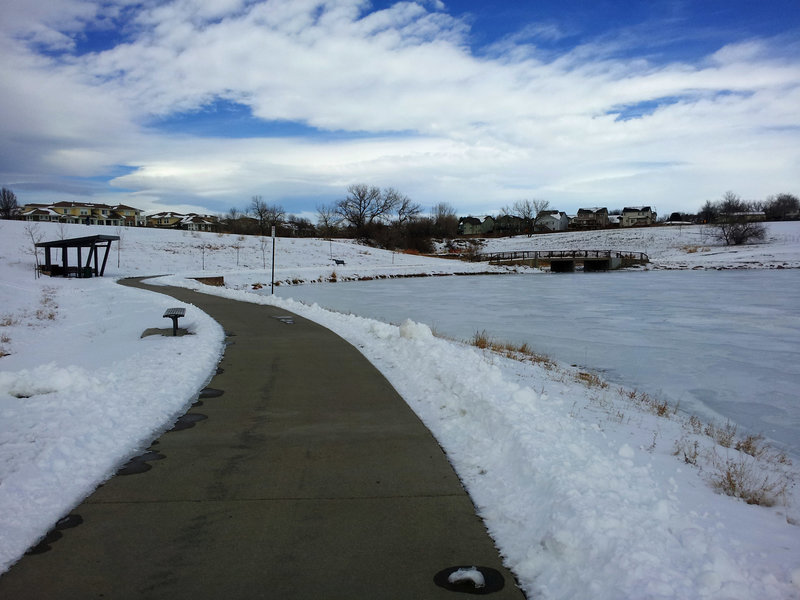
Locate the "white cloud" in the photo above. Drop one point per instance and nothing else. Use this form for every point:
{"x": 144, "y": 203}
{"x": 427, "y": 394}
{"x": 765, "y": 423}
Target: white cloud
{"x": 478, "y": 131}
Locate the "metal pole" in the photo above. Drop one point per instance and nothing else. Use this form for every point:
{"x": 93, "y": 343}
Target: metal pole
{"x": 272, "y": 282}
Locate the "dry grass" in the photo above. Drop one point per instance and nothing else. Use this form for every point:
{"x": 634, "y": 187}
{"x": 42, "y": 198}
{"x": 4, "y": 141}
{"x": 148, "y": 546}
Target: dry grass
{"x": 521, "y": 352}
{"x": 692, "y": 249}
{"x": 660, "y": 408}
{"x": 48, "y": 309}
{"x": 756, "y": 475}
{"x": 743, "y": 477}
{"x": 690, "y": 450}
{"x": 591, "y": 380}
{"x": 8, "y": 321}
{"x": 724, "y": 435}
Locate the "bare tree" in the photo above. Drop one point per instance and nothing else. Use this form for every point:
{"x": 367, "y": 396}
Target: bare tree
{"x": 735, "y": 224}
{"x": 445, "y": 220}
{"x": 731, "y": 203}
{"x": 267, "y": 215}
{"x": 540, "y": 208}
{"x": 35, "y": 235}
{"x": 8, "y": 204}
{"x": 263, "y": 244}
{"x": 230, "y": 220}
{"x": 327, "y": 219}
{"x": 405, "y": 208}
{"x": 782, "y": 207}
{"x": 365, "y": 205}
{"x": 709, "y": 212}
{"x": 529, "y": 211}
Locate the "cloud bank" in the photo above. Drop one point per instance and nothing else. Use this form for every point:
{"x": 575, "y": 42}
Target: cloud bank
{"x": 396, "y": 96}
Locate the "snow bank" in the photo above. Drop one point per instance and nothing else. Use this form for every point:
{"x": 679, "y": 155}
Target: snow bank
{"x": 96, "y": 398}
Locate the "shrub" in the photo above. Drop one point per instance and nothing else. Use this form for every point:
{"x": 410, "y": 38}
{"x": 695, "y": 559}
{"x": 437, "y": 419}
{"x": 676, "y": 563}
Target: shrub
{"x": 752, "y": 445}
{"x": 481, "y": 340}
{"x": 739, "y": 477}
{"x": 724, "y": 435}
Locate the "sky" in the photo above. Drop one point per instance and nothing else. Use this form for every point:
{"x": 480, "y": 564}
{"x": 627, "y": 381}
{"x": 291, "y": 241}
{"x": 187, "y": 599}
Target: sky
{"x": 199, "y": 105}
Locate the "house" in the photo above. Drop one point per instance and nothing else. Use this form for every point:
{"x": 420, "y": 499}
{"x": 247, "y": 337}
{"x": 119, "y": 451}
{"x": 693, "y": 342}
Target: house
{"x": 194, "y": 222}
{"x": 509, "y": 225}
{"x": 38, "y": 212}
{"x": 132, "y": 217}
{"x": 85, "y": 213}
{"x": 88, "y": 213}
{"x": 590, "y": 218}
{"x": 637, "y": 216}
{"x": 165, "y": 220}
{"x": 190, "y": 222}
{"x": 552, "y": 220}
{"x": 475, "y": 225}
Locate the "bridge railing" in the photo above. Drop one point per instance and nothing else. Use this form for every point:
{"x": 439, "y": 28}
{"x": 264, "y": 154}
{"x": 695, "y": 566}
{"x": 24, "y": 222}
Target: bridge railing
{"x": 559, "y": 254}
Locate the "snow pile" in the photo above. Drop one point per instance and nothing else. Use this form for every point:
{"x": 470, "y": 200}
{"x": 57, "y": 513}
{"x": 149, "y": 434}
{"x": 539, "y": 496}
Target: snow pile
{"x": 472, "y": 575}
{"x": 81, "y": 392}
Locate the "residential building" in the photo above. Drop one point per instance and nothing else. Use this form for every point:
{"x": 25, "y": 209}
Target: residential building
{"x": 637, "y": 216}
{"x": 189, "y": 222}
{"x": 165, "y": 220}
{"x": 509, "y": 225}
{"x": 590, "y": 218}
{"x": 475, "y": 225}
{"x": 85, "y": 213}
{"x": 552, "y": 220}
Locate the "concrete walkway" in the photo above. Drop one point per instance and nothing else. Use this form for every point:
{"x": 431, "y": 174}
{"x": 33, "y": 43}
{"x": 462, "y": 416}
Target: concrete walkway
{"x": 309, "y": 478}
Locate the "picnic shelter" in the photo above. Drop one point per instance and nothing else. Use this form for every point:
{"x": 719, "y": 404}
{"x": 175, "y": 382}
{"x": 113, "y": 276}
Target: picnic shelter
{"x": 91, "y": 269}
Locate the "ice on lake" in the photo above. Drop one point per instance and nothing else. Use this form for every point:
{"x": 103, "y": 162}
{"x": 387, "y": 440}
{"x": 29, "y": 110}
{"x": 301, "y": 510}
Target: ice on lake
{"x": 725, "y": 345}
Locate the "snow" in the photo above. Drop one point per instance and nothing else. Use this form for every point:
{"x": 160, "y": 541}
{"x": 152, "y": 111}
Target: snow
{"x": 578, "y": 483}
{"x": 471, "y": 575}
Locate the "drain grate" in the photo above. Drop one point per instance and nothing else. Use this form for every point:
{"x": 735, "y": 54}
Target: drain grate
{"x": 288, "y": 319}
{"x": 469, "y": 579}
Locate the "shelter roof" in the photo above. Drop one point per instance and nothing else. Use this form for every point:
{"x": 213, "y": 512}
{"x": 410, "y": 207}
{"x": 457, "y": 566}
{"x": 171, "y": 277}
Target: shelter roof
{"x": 81, "y": 242}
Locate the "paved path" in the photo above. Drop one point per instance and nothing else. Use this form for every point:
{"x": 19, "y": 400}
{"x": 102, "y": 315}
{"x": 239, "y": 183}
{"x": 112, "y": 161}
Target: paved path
{"x": 310, "y": 478}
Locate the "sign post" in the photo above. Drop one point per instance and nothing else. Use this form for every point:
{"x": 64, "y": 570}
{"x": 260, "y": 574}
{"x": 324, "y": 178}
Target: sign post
{"x": 272, "y": 282}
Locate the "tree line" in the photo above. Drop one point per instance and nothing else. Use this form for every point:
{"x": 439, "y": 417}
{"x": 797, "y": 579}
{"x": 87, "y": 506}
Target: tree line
{"x": 780, "y": 207}
{"x": 736, "y": 221}
{"x": 382, "y": 216}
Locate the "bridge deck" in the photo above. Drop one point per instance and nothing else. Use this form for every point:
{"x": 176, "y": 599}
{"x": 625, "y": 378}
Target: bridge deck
{"x": 578, "y": 255}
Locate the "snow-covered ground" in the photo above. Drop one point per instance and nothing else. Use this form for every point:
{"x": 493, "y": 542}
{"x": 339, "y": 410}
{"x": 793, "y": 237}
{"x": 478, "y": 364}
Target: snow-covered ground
{"x": 587, "y": 491}
{"x": 673, "y": 247}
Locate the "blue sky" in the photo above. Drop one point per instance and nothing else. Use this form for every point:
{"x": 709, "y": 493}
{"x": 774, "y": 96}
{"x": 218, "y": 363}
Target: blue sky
{"x": 197, "y": 105}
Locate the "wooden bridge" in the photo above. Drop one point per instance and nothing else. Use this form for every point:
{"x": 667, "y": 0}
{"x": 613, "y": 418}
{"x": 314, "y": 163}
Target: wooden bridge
{"x": 564, "y": 261}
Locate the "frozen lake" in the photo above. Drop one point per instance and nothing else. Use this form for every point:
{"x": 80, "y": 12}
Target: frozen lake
{"x": 725, "y": 344}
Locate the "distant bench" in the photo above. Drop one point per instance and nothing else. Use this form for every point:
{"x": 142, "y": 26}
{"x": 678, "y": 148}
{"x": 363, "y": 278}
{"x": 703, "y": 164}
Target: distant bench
{"x": 174, "y": 314}
{"x": 338, "y": 261}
